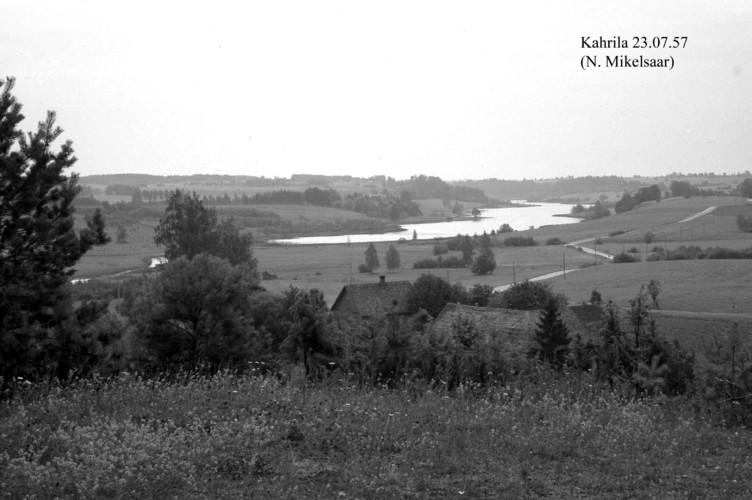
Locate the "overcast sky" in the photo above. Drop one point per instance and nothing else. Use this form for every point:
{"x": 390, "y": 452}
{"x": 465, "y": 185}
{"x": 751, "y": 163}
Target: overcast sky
{"x": 454, "y": 89}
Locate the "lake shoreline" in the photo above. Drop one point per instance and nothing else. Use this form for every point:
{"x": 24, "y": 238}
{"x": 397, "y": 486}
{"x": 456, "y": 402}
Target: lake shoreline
{"x": 525, "y": 217}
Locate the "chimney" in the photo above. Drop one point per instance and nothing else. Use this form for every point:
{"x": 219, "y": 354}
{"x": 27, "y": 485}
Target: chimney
{"x": 382, "y": 280}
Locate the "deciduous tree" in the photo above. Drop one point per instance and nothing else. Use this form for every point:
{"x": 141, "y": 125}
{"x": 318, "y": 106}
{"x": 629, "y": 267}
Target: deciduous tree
{"x": 484, "y": 263}
{"x": 431, "y": 293}
{"x": 392, "y": 258}
{"x": 745, "y": 188}
{"x": 197, "y": 312}
{"x": 188, "y": 228}
{"x": 372, "y": 258}
{"x": 526, "y": 295}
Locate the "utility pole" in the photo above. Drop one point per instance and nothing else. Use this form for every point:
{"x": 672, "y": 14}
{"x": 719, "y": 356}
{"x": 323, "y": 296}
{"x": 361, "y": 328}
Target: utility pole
{"x": 564, "y": 264}
{"x": 595, "y": 252}
{"x": 351, "y": 273}
{"x": 514, "y": 274}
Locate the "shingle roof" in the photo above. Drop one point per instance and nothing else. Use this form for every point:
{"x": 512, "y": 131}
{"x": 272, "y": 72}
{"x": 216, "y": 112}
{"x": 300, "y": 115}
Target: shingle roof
{"x": 369, "y": 299}
{"x": 591, "y": 316}
{"x": 514, "y": 327}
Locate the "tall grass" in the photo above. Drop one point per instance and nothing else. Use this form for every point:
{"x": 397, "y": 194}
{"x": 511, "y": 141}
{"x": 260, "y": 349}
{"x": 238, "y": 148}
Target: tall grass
{"x": 199, "y": 436}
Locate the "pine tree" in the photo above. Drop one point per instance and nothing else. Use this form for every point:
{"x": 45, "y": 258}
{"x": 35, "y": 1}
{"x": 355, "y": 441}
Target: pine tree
{"x": 372, "y": 258}
{"x": 38, "y": 245}
{"x": 392, "y": 258}
{"x": 551, "y": 343}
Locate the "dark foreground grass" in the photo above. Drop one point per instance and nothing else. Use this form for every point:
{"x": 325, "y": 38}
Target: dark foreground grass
{"x": 255, "y": 437}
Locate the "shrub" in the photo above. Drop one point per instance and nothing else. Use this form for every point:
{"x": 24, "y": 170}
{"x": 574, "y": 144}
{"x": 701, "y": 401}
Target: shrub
{"x": 728, "y": 381}
{"x": 726, "y": 253}
{"x": 624, "y": 258}
{"x": 454, "y": 242}
{"x": 526, "y": 295}
{"x": 362, "y": 268}
{"x": 425, "y": 264}
{"x": 744, "y": 223}
{"x": 616, "y": 233}
{"x": 577, "y": 209}
{"x": 520, "y": 241}
{"x": 633, "y": 250}
{"x": 440, "y": 249}
{"x": 451, "y": 262}
{"x": 554, "y": 241}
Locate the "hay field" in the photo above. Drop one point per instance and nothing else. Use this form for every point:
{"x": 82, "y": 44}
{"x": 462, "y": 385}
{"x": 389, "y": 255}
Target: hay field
{"x": 327, "y": 267}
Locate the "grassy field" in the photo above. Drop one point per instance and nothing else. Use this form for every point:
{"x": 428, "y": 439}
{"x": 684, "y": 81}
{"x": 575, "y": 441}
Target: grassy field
{"x": 328, "y": 267}
{"x": 709, "y": 286}
{"x": 255, "y": 437}
{"x": 533, "y": 435}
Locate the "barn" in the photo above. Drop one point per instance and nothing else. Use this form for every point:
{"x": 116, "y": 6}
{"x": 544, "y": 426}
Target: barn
{"x": 366, "y": 300}
{"x": 515, "y": 328}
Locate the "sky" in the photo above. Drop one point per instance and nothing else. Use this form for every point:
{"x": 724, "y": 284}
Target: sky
{"x": 460, "y": 90}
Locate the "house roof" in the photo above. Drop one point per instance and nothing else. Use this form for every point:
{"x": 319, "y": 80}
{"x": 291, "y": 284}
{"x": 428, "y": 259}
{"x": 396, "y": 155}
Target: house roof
{"x": 591, "y": 316}
{"x": 369, "y": 299}
{"x": 514, "y": 327}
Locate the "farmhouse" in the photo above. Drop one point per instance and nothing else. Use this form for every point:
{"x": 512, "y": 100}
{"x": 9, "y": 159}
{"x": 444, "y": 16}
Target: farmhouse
{"x": 373, "y": 299}
{"x": 590, "y": 317}
{"x": 514, "y": 328}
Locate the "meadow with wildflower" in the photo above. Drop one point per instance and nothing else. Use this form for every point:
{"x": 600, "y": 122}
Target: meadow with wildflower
{"x": 227, "y": 435}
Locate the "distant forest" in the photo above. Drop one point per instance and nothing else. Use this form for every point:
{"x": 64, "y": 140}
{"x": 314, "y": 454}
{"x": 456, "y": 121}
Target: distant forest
{"x": 575, "y": 187}
{"x": 387, "y": 203}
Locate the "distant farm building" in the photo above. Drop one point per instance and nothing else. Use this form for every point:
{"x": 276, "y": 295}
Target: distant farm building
{"x": 373, "y": 299}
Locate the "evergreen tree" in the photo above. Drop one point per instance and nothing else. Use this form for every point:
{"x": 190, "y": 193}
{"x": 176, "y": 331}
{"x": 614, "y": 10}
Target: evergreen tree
{"x": 551, "y": 343}
{"x": 38, "y": 245}
{"x": 392, "y": 258}
{"x": 615, "y": 355}
{"x": 372, "y": 258}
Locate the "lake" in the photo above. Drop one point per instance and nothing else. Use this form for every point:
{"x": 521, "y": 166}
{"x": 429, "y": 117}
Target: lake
{"x": 520, "y": 218}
